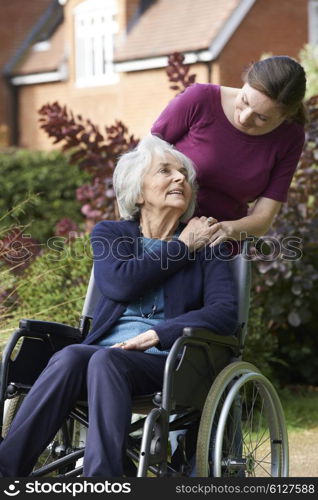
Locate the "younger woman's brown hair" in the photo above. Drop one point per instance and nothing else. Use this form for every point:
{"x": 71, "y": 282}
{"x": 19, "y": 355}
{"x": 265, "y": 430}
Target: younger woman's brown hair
{"x": 282, "y": 79}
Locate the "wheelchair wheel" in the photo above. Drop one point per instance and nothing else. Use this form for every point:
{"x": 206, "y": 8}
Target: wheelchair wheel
{"x": 11, "y": 410}
{"x": 65, "y": 441}
{"x": 242, "y": 430}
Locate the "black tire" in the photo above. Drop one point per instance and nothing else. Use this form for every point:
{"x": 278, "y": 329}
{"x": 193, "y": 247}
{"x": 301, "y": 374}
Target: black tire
{"x": 242, "y": 430}
{"x": 12, "y": 407}
{"x": 57, "y": 448}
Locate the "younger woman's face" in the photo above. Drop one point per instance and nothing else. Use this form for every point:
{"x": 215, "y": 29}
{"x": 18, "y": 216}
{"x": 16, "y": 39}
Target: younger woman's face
{"x": 255, "y": 113}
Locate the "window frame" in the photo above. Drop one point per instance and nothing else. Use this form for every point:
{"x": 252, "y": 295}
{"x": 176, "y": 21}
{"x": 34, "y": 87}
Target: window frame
{"x": 95, "y": 27}
{"x": 313, "y": 22}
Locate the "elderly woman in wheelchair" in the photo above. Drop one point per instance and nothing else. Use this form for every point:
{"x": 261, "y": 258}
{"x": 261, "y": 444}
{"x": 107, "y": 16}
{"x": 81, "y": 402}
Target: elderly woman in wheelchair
{"x": 167, "y": 319}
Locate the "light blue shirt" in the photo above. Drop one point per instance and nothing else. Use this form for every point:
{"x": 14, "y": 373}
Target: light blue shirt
{"x": 141, "y": 315}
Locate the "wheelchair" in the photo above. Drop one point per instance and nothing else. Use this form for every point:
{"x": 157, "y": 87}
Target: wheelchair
{"x": 230, "y": 409}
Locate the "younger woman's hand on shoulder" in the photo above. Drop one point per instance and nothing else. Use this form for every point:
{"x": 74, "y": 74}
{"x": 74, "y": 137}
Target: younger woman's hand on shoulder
{"x": 224, "y": 232}
{"x": 199, "y": 232}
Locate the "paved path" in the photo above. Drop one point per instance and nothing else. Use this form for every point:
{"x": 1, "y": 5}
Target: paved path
{"x": 303, "y": 450}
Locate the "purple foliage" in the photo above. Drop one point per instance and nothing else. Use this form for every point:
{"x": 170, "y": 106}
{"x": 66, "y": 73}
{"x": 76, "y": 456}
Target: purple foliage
{"x": 178, "y": 72}
{"x": 91, "y": 150}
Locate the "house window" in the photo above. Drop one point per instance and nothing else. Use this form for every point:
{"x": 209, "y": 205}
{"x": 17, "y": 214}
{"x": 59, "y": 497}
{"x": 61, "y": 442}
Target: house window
{"x": 41, "y": 46}
{"x": 95, "y": 29}
{"x": 313, "y": 21}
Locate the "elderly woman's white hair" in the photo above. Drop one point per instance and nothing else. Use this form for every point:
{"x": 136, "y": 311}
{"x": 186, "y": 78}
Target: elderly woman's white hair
{"x": 131, "y": 167}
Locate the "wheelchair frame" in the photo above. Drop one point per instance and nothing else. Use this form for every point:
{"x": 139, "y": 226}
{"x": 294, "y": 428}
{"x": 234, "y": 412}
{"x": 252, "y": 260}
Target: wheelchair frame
{"x": 216, "y": 384}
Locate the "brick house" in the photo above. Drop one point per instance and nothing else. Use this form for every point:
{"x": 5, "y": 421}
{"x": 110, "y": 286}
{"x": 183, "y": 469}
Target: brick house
{"x": 106, "y": 59}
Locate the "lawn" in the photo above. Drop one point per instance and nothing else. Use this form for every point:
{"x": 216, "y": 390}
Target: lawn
{"x": 300, "y": 405}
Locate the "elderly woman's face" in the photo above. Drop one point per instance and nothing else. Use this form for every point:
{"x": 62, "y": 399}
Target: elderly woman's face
{"x": 165, "y": 186}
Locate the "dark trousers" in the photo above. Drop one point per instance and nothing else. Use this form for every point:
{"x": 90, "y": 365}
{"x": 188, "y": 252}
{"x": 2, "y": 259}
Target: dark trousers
{"x": 108, "y": 378}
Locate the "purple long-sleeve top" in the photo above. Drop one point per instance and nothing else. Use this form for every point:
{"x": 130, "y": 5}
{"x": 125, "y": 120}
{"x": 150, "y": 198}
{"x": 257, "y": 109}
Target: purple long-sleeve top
{"x": 233, "y": 168}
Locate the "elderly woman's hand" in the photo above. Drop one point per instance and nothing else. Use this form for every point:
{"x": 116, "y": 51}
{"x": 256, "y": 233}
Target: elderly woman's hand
{"x": 141, "y": 342}
{"x": 199, "y": 232}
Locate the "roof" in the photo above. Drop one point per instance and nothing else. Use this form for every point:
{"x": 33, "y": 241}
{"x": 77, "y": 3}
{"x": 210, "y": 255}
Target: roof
{"x": 47, "y": 56}
{"x": 199, "y": 29}
{"x": 44, "y": 27}
{"x": 177, "y": 26}
{"x": 15, "y": 26}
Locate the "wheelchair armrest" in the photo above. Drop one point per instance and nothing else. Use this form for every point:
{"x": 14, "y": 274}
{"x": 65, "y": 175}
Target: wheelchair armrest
{"x": 49, "y": 327}
{"x": 211, "y": 337}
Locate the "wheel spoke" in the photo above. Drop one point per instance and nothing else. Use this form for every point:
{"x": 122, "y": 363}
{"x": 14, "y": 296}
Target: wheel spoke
{"x": 259, "y": 465}
{"x": 263, "y": 459}
{"x": 264, "y": 441}
{"x": 259, "y": 423}
{"x": 257, "y": 445}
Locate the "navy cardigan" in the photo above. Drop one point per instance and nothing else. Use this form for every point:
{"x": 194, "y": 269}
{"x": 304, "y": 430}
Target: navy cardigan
{"x": 199, "y": 289}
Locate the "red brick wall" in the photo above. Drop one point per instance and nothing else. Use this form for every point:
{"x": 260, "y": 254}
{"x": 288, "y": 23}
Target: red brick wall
{"x": 276, "y": 26}
{"x": 137, "y": 100}
{"x": 16, "y": 20}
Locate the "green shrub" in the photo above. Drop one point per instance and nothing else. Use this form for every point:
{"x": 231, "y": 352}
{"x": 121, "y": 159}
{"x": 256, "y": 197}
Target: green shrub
{"x": 300, "y": 405}
{"x": 53, "y": 287}
{"x": 298, "y": 347}
{"x": 309, "y": 60}
{"x": 260, "y": 343}
{"x": 289, "y": 301}
{"x": 49, "y": 174}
